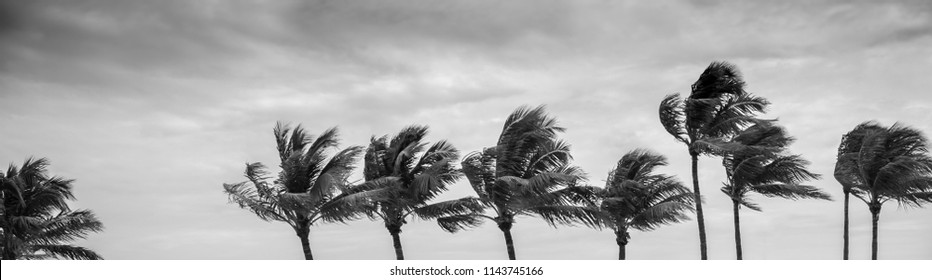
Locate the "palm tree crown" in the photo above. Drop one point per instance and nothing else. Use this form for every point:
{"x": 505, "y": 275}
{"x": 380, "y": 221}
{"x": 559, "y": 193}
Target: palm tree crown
{"x": 37, "y": 222}
{"x": 761, "y": 166}
{"x": 636, "y": 197}
{"x": 306, "y": 189}
{"x": 402, "y": 177}
{"x": 527, "y": 173}
{"x": 879, "y": 164}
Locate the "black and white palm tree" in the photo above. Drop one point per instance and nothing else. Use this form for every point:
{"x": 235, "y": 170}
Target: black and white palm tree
{"x": 848, "y": 148}
{"x": 36, "y": 221}
{"x": 402, "y": 176}
{"x": 527, "y": 173}
{"x": 763, "y": 167}
{"x": 637, "y": 197}
{"x": 716, "y": 108}
{"x": 882, "y": 164}
{"x": 307, "y": 189}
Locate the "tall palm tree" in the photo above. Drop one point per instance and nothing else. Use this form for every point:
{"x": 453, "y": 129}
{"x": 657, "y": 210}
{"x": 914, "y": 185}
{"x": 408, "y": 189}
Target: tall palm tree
{"x": 717, "y": 108}
{"x": 402, "y": 177}
{"x": 892, "y": 163}
{"x": 762, "y": 167}
{"x": 850, "y": 145}
{"x": 527, "y": 173}
{"x": 37, "y": 222}
{"x": 636, "y": 197}
{"x": 306, "y": 189}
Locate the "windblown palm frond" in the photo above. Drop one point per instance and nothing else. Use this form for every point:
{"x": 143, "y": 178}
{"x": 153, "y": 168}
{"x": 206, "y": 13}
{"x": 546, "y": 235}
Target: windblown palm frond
{"x": 37, "y": 222}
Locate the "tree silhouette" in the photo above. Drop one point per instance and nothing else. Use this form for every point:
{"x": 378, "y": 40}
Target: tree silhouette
{"x": 636, "y": 197}
{"x": 717, "y": 108}
{"x": 402, "y": 177}
{"x": 527, "y": 173}
{"x": 306, "y": 189}
{"x": 762, "y": 167}
{"x": 880, "y": 164}
{"x": 850, "y": 145}
{"x": 37, "y": 222}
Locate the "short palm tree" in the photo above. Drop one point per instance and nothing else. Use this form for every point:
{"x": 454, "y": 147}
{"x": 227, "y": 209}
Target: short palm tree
{"x": 847, "y": 150}
{"x": 306, "y": 189}
{"x": 892, "y": 163}
{"x": 402, "y": 177}
{"x": 717, "y": 108}
{"x": 636, "y": 197}
{"x": 37, "y": 222}
{"x": 527, "y": 173}
{"x": 762, "y": 167}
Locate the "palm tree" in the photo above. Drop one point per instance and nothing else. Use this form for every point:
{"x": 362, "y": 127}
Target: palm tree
{"x": 891, "y": 163}
{"x": 636, "y": 197}
{"x": 37, "y": 222}
{"x": 717, "y": 107}
{"x": 526, "y": 173}
{"x": 402, "y": 177}
{"x": 305, "y": 191}
{"x": 761, "y": 167}
{"x": 850, "y": 145}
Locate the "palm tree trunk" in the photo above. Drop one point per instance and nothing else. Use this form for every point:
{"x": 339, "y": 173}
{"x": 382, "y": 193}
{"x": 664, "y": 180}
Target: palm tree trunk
{"x": 737, "y": 231}
{"x": 509, "y": 243}
{"x": 305, "y": 243}
{"x": 622, "y": 241}
{"x": 875, "y": 217}
{"x": 8, "y": 251}
{"x": 698, "y": 199}
{"x": 621, "y": 251}
{"x": 845, "y": 250}
{"x": 395, "y": 231}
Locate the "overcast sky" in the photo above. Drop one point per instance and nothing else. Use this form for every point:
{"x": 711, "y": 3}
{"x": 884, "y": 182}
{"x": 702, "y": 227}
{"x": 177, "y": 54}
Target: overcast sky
{"x": 152, "y": 105}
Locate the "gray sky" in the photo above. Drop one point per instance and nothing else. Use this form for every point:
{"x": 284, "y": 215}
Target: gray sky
{"x": 152, "y": 105}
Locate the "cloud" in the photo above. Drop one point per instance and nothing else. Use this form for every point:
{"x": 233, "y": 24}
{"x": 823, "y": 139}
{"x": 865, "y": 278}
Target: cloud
{"x": 151, "y": 105}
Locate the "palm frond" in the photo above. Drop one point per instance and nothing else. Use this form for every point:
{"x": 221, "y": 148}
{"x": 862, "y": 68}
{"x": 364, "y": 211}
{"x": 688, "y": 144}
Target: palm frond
{"x": 525, "y": 132}
{"x": 384, "y": 189}
{"x": 281, "y": 132}
{"x": 67, "y": 227}
{"x": 459, "y": 222}
{"x": 247, "y": 198}
{"x": 67, "y": 252}
{"x": 567, "y": 215}
{"x": 466, "y": 205}
{"x": 479, "y": 169}
{"x": 334, "y": 175}
{"x": 791, "y": 191}
{"x": 668, "y": 212}
{"x": 915, "y": 199}
{"x": 750, "y": 205}
{"x": 673, "y": 118}
{"x": 736, "y": 112}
